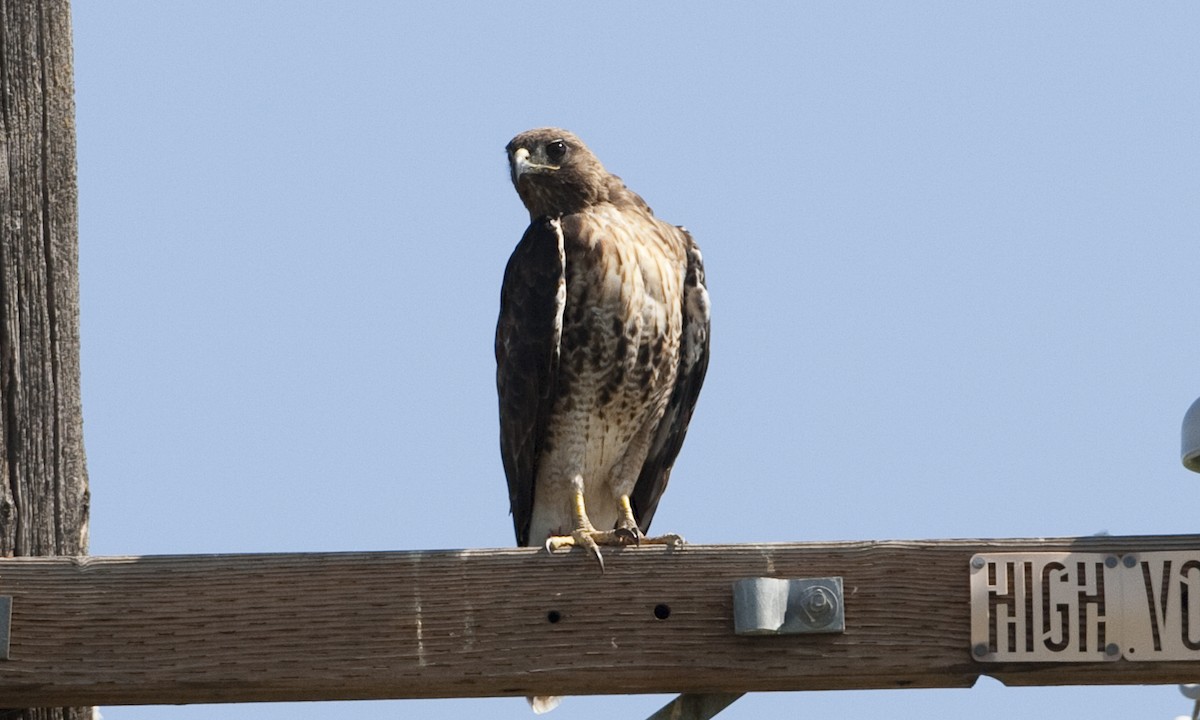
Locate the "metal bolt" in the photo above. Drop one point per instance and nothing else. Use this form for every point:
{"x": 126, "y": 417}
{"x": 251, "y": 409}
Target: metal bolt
{"x": 978, "y": 562}
{"x": 980, "y": 650}
{"x": 1110, "y": 561}
{"x": 1129, "y": 560}
{"x": 819, "y": 606}
{"x": 1112, "y": 649}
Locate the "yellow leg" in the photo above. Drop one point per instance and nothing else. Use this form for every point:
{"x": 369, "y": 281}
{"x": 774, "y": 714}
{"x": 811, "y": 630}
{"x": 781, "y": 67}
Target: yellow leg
{"x": 627, "y": 511}
{"x": 583, "y": 534}
{"x": 627, "y": 526}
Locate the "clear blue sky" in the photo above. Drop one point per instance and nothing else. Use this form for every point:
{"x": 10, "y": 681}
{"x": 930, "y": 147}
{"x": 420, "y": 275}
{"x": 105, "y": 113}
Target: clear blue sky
{"x": 952, "y": 250}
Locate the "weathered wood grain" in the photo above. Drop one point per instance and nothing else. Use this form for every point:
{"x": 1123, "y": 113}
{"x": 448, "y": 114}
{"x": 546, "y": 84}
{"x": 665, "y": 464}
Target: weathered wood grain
{"x": 238, "y": 628}
{"x": 43, "y": 481}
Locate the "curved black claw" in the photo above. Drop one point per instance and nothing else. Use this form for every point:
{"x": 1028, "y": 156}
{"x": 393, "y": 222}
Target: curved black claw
{"x": 582, "y": 537}
{"x": 628, "y": 536}
{"x": 595, "y": 550}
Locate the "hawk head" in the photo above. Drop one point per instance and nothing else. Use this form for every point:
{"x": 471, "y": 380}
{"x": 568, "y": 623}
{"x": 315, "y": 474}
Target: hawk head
{"x": 555, "y": 174}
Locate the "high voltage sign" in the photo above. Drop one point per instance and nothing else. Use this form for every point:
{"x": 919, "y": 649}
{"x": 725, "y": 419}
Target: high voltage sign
{"x": 1085, "y": 607}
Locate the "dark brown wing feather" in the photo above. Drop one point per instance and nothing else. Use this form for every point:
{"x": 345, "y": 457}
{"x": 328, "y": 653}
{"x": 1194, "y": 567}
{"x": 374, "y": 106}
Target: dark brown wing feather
{"x": 527, "y": 350}
{"x": 693, "y": 364}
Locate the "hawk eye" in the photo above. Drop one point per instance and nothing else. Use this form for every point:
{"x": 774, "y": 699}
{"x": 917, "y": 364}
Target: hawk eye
{"x": 556, "y": 150}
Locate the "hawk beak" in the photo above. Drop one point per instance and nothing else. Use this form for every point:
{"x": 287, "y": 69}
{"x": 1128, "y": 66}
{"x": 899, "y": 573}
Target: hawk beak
{"x": 523, "y": 164}
{"x": 520, "y": 163}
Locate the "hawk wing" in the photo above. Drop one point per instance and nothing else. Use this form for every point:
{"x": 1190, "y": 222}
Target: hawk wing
{"x": 527, "y": 349}
{"x": 693, "y": 363}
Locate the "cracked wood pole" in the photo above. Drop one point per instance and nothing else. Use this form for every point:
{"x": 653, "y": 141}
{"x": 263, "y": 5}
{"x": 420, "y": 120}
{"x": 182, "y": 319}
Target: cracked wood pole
{"x": 472, "y": 623}
{"x": 43, "y": 479}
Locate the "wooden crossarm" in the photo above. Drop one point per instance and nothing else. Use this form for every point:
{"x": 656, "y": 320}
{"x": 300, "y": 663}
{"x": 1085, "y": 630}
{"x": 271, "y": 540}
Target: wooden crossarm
{"x": 472, "y": 623}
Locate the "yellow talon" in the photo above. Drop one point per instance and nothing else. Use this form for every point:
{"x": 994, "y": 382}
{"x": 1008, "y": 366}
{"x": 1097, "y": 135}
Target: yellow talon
{"x": 585, "y": 535}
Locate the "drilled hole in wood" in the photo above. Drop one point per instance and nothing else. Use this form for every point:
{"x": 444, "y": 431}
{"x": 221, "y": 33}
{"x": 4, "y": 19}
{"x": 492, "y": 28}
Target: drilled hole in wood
{"x": 554, "y": 616}
{"x": 662, "y": 611}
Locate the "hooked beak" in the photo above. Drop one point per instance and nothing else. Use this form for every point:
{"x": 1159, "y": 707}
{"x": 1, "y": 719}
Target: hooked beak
{"x": 522, "y": 164}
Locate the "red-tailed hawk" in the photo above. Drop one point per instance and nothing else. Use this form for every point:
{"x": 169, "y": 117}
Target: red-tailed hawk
{"x": 601, "y": 348}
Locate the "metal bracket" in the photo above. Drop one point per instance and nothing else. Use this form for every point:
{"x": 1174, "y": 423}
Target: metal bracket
{"x": 774, "y": 606}
{"x": 5, "y": 623}
{"x": 768, "y": 606}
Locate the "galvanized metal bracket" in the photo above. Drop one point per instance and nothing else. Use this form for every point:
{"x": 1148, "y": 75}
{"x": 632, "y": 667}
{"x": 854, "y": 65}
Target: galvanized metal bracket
{"x": 768, "y": 606}
{"x": 775, "y": 606}
{"x": 5, "y": 624}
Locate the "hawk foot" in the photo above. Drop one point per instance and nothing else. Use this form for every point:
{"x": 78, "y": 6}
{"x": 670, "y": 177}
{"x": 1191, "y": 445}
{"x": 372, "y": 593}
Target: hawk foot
{"x": 629, "y": 536}
{"x": 591, "y": 539}
{"x": 633, "y": 535}
{"x": 666, "y": 539}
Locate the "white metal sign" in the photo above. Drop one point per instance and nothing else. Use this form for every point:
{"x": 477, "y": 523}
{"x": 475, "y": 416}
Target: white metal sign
{"x": 1085, "y": 607}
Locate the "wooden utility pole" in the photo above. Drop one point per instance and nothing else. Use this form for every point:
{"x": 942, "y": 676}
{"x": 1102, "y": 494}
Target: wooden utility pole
{"x": 43, "y": 479}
